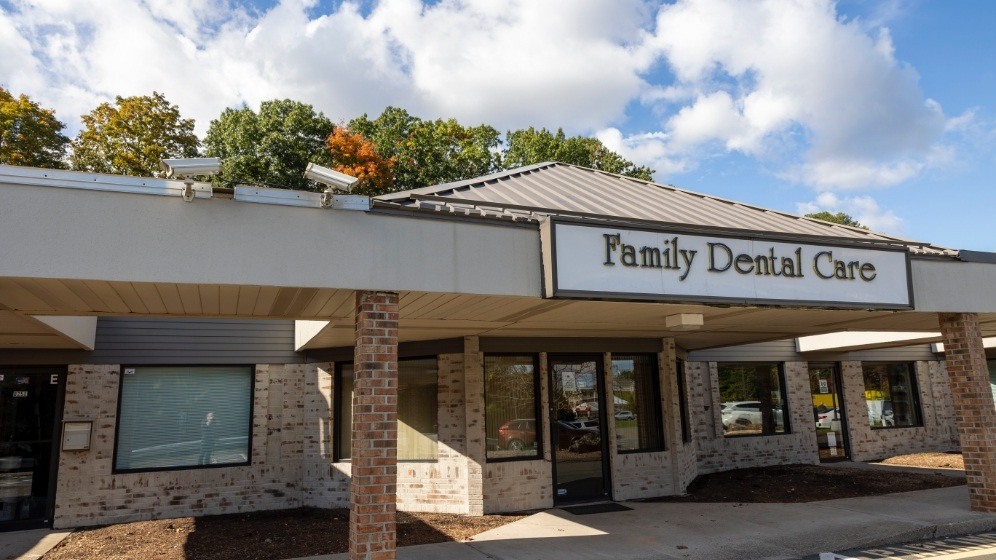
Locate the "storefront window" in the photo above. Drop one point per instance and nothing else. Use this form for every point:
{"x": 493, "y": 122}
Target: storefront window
{"x": 891, "y": 395}
{"x": 752, "y": 399}
{"x": 176, "y": 417}
{"x": 510, "y": 387}
{"x": 636, "y": 394}
{"x": 417, "y": 411}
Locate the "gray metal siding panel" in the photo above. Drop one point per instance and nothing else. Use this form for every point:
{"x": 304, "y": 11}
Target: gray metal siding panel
{"x": 775, "y": 351}
{"x": 784, "y": 351}
{"x": 193, "y": 341}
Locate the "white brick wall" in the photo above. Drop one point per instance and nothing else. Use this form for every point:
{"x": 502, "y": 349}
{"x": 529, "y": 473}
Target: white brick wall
{"x": 88, "y": 493}
{"x": 938, "y": 430}
{"x": 717, "y": 453}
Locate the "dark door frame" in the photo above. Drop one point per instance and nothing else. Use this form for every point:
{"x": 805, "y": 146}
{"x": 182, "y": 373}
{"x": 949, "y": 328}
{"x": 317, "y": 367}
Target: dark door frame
{"x": 838, "y": 396}
{"x": 60, "y": 402}
{"x": 600, "y": 390}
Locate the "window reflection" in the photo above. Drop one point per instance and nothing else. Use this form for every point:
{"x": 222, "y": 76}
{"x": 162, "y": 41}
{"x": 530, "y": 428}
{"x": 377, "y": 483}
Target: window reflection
{"x": 890, "y": 395}
{"x": 752, "y": 399}
{"x": 636, "y": 395}
{"x": 510, "y": 407}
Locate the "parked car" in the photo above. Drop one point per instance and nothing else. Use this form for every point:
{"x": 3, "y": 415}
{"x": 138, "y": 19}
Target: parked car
{"x": 587, "y": 408}
{"x": 741, "y": 415}
{"x": 744, "y": 415}
{"x": 625, "y": 415}
{"x": 824, "y": 419}
{"x": 569, "y": 434}
{"x": 517, "y": 434}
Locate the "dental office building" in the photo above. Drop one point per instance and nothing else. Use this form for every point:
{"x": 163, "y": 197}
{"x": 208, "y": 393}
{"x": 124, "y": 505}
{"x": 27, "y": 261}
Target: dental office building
{"x": 544, "y": 336}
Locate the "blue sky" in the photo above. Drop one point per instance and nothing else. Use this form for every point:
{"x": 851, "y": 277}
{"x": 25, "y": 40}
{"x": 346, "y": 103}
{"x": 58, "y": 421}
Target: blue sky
{"x": 882, "y": 109}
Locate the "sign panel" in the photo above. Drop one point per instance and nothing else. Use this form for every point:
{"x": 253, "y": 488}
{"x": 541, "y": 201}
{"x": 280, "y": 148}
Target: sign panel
{"x": 622, "y": 262}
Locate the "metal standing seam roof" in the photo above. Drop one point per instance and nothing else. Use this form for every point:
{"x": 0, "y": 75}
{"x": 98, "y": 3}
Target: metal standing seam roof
{"x": 551, "y": 189}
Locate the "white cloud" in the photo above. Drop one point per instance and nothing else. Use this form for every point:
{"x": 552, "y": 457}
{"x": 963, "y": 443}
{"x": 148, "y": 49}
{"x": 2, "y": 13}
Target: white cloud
{"x": 511, "y": 64}
{"x": 815, "y": 99}
{"x": 786, "y": 80}
{"x": 864, "y": 209}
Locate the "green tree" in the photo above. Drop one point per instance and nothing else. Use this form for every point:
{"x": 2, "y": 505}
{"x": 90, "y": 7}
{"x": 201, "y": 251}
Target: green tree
{"x": 838, "y": 218}
{"x": 529, "y": 146}
{"x": 132, "y": 136}
{"x": 272, "y": 147}
{"x": 29, "y": 134}
{"x": 430, "y": 152}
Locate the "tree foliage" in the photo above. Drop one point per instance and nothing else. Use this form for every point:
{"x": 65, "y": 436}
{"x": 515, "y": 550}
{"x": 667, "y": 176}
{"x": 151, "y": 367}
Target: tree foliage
{"x": 354, "y": 155}
{"x": 529, "y": 146}
{"x": 29, "y": 134}
{"x": 132, "y": 136}
{"x": 271, "y": 147}
{"x": 430, "y": 152}
{"x": 838, "y": 218}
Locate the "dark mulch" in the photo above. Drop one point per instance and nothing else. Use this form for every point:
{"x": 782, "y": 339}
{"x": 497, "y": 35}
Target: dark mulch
{"x": 268, "y": 535}
{"x": 276, "y": 535}
{"x": 806, "y": 483}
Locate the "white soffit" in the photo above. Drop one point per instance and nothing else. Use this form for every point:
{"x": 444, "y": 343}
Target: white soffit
{"x": 861, "y": 340}
{"x": 986, "y": 343}
{"x": 306, "y": 331}
{"x": 82, "y": 330}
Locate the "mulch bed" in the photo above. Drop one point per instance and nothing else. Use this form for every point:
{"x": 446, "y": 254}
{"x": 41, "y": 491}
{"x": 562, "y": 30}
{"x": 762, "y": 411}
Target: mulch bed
{"x": 787, "y": 484}
{"x": 277, "y": 535}
{"x": 267, "y": 535}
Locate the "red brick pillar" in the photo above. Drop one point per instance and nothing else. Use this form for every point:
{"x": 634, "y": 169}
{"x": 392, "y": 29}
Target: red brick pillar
{"x": 373, "y": 489}
{"x": 975, "y": 413}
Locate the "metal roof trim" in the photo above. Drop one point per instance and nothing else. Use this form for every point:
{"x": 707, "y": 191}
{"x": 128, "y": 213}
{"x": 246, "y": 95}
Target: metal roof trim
{"x": 402, "y": 195}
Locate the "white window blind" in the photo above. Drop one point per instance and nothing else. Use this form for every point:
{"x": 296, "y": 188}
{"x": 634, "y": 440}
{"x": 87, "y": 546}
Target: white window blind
{"x": 174, "y": 417}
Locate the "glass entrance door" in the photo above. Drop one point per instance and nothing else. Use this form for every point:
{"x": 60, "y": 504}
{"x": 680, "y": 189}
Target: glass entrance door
{"x": 828, "y": 412}
{"x": 577, "y": 420}
{"x": 29, "y": 411}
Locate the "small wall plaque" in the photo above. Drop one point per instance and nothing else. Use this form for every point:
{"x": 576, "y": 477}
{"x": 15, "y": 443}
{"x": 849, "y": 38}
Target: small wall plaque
{"x": 76, "y": 435}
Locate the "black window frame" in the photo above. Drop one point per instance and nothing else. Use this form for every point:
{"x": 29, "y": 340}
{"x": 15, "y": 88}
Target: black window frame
{"x": 537, "y": 405}
{"x": 337, "y": 409}
{"x": 658, "y": 405}
{"x": 686, "y": 432}
{"x": 913, "y": 391}
{"x": 249, "y": 432}
{"x": 787, "y": 428}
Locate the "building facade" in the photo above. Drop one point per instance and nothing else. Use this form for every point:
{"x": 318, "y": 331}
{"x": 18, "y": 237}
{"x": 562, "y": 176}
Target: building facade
{"x": 545, "y": 336}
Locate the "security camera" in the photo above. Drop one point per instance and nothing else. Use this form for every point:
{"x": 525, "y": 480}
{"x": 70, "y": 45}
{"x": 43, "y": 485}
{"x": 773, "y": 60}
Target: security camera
{"x": 190, "y": 167}
{"x": 329, "y": 177}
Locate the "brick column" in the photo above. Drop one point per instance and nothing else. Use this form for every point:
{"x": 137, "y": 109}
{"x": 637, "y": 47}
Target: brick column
{"x": 473, "y": 363}
{"x": 975, "y": 413}
{"x": 373, "y": 489}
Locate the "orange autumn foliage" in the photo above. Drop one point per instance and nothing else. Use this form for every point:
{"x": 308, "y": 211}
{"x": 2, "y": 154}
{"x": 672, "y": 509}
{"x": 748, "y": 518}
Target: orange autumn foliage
{"x": 354, "y": 155}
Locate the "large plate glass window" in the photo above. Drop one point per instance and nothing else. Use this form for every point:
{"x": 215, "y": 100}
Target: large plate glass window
{"x": 510, "y": 387}
{"x": 181, "y": 417}
{"x": 752, "y": 399}
{"x": 891, "y": 395}
{"x": 637, "y": 403}
{"x": 418, "y": 429}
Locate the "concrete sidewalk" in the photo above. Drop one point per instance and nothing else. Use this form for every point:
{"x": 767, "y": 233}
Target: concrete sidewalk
{"x": 29, "y": 545}
{"x": 719, "y": 531}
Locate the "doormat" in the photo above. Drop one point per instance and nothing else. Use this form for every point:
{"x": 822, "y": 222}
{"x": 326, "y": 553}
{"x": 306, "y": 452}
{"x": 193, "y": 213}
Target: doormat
{"x": 596, "y": 508}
